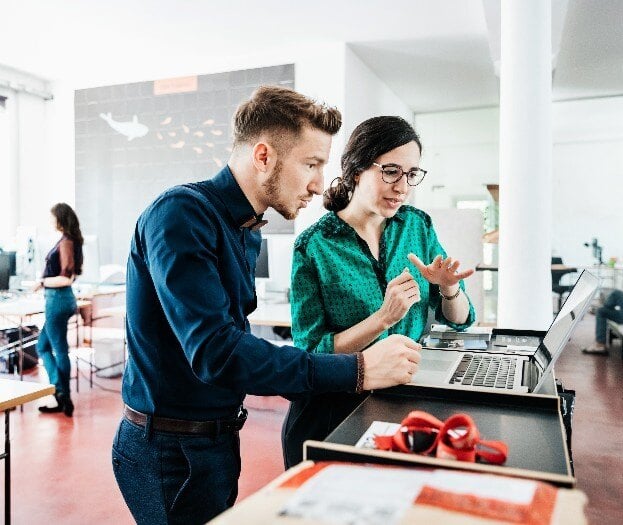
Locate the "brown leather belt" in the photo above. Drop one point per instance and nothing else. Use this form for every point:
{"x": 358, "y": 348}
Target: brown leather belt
{"x": 182, "y": 426}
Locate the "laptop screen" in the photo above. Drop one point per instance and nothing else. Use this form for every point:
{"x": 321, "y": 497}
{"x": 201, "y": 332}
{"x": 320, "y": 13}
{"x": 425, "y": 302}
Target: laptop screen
{"x": 559, "y": 332}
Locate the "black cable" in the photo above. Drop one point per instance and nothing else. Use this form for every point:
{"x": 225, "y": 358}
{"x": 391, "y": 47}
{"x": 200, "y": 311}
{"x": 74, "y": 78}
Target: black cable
{"x": 95, "y": 383}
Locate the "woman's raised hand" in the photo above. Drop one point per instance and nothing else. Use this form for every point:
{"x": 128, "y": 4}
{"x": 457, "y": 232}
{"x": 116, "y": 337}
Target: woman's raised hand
{"x": 443, "y": 272}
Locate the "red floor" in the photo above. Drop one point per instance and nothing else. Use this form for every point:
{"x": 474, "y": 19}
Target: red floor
{"x": 62, "y": 474}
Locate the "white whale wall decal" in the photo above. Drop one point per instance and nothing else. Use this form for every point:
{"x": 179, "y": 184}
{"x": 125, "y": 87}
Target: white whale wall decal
{"x": 132, "y": 129}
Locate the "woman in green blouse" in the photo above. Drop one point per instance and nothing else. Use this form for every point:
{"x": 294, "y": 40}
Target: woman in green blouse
{"x": 369, "y": 268}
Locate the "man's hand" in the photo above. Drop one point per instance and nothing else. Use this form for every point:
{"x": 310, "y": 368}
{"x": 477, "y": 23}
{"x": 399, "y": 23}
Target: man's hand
{"x": 443, "y": 272}
{"x": 38, "y": 285}
{"x": 401, "y": 293}
{"x": 391, "y": 361}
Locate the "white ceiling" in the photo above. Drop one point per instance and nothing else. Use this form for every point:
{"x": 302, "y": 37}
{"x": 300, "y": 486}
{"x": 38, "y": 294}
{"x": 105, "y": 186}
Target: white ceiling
{"x": 435, "y": 55}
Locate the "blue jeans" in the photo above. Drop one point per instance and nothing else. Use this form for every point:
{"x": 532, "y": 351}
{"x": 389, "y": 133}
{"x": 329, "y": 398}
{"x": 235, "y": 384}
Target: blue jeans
{"x": 168, "y": 478}
{"x": 609, "y": 311}
{"x": 60, "y": 305}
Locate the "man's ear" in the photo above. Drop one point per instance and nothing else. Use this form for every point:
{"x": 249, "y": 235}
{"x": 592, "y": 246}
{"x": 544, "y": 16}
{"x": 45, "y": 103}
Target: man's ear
{"x": 262, "y": 154}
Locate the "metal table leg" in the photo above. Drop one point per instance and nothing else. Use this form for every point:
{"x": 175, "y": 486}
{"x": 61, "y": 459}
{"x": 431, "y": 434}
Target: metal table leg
{"x": 6, "y": 455}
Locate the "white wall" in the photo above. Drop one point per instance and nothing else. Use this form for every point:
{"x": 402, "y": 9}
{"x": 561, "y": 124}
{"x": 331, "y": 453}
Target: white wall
{"x": 366, "y": 95}
{"x": 461, "y": 154}
{"x": 459, "y": 232}
{"x": 330, "y": 73}
{"x": 26, "y": 181}
{"x": 8, "y": 177}
{"x": 46, "y": 171}
{"x": 588, "y": 170}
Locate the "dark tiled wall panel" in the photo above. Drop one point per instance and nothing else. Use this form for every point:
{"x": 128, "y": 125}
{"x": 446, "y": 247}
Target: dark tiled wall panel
{"x": 187, "y": 138}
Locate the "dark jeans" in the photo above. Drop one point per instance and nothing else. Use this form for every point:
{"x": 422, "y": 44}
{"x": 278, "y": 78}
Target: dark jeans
{"x": 60, "y": 305}
{"x": 314, "y": 417}
{"x": 609, "y": 311}
{"x": 168, "y": 478}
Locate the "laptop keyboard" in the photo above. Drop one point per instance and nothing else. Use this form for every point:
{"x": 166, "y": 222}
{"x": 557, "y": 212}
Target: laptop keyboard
{"x": 485, "y": 370}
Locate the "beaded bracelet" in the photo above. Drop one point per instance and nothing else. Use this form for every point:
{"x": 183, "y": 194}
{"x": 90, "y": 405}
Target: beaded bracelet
{"x": 450, "y": 297}
{"x": 360, "y": 373}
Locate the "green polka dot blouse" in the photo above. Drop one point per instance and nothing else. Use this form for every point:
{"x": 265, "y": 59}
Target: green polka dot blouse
{"x": 336, "y": 282}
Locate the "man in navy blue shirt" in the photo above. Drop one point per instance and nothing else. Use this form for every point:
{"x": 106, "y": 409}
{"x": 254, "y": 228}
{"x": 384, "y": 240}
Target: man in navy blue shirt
{"x": 190, "y": 287}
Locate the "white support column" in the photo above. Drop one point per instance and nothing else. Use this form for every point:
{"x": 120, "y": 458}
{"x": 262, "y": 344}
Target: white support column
{"x": 524, "y": 297}
{"x": 12, "y": 200}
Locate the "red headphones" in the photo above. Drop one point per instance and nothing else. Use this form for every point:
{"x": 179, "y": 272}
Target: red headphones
{"x": 456, "y": 438}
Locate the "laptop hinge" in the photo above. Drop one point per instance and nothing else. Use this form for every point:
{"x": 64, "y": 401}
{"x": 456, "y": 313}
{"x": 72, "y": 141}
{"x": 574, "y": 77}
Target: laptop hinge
{"x": 530, "y": 376}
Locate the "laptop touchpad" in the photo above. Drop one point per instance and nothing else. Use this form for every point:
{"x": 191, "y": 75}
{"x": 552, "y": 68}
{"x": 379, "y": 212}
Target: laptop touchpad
{"x": 438, "y": 360}
{"x": 435, "y": 367}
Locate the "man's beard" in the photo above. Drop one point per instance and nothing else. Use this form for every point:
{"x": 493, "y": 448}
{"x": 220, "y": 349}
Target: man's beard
{"x": 272, "y": 188}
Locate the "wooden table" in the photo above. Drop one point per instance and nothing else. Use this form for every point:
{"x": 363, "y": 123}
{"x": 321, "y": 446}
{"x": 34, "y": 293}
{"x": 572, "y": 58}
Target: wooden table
{"x": 12, "y": 394}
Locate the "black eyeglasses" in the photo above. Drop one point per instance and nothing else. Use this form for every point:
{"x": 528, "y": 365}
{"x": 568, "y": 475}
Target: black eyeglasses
{"x": 392, "y": 173}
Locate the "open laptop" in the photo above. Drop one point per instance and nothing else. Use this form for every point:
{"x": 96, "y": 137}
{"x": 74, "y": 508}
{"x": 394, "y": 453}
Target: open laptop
{"x": 509, "y": 372}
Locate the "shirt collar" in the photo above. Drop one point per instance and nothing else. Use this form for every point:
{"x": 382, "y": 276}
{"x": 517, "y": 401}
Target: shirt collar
{"x": 400, "y": 215}
{"x": 238, "y": 205}
{"x": 336, "y": 226}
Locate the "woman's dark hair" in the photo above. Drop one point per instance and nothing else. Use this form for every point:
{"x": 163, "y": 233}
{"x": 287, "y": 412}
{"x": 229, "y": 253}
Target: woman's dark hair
{"x": 68, "y": 223}
{"x": 371, "y": 139}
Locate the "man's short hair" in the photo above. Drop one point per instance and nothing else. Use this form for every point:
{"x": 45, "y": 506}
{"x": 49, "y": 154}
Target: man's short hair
{"x": 282, "y": 113}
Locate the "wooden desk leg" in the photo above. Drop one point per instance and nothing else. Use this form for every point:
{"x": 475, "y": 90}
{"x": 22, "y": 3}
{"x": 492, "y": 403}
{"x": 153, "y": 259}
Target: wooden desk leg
{"x": 7, "y": 469}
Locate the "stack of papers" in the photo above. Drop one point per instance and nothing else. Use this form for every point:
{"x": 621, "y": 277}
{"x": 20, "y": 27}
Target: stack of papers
{"x": 477, "y": 333}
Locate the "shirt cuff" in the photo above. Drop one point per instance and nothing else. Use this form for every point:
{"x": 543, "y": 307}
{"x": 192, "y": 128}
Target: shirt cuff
{"x": 334, "y": 373}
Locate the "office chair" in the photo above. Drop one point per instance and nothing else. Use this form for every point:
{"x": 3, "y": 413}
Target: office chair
{"x": 557, "y": 288}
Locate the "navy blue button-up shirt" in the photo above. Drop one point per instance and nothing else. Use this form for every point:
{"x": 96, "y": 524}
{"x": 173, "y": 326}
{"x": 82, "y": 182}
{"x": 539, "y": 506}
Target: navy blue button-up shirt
{"x": 190, "y": 287}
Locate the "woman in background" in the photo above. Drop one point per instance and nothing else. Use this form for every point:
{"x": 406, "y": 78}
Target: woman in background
{"x": 62, "y": 265}
{"x": 369, "y": 268}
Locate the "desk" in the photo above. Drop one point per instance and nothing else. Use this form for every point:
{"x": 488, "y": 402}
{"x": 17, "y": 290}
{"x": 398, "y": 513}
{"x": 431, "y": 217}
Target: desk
{"x": 531, "y": 425}
{"x": 262, "y": 508}
{"x": 23, "y": 307}
{"x": 118, "y": 311}
{"x": 612, "y": 275}
{"x": 555, "y": 267}
{"x": 100, "y": 296}
{"x": 12, "y": 394}
{"x": 271, "y": 314}
{"x": 90, "y": 292}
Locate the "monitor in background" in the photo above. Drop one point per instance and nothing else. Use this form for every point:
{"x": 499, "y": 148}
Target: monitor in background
{"x": 261, "y": 268}
{"x": 5, "y": 271}
{"x": 12, "y": 260}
